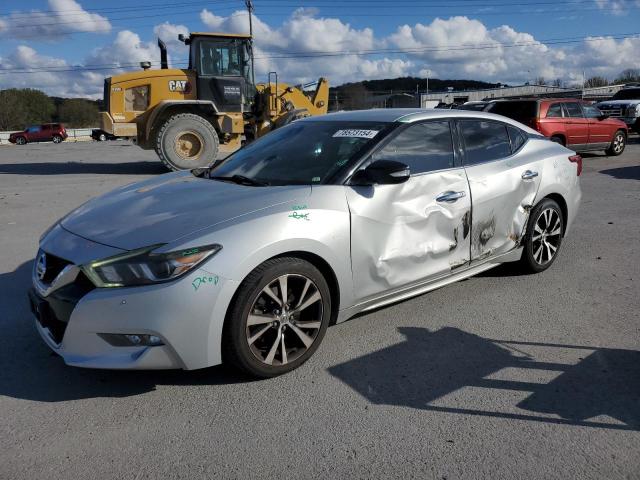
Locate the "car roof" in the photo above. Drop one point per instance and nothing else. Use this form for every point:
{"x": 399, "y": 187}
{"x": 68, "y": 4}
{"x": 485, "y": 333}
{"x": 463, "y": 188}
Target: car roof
{"x": 408, "y": 115}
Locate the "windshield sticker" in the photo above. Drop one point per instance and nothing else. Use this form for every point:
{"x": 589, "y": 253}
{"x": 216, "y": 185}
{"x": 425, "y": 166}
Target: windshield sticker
{"x": 296, "y": 212}
{"x": 354, "y": 133}
{"x": 203, "y": 280}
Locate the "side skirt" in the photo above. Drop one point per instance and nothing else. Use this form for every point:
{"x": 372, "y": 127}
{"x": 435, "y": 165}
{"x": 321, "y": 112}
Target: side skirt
{"x": 419, "y": 288}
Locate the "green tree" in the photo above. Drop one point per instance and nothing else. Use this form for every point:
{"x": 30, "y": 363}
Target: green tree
{"x": 594, "y": 82}
{"x": 629, "y": 75}
{"x": 20, "y": 108}
{"x": 78, "y": 113}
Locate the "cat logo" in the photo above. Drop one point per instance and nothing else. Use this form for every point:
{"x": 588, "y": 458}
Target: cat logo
{"x": 179, "y": 86}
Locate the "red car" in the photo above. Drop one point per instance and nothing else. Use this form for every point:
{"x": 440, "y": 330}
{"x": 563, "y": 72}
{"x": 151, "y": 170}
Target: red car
{"x": 48, "y": 132}
{"x": 571, "y": 122}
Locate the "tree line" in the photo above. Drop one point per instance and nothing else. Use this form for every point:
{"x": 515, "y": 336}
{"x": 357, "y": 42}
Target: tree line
{"x": 20, "y": 108}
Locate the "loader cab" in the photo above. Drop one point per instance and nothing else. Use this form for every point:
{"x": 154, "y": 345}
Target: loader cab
{"x": 224, "y": 70}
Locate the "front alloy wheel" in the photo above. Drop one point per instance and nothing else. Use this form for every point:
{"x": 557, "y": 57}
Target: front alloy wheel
{"x": 278, "y": 318}
{"x": 284, "y": 320}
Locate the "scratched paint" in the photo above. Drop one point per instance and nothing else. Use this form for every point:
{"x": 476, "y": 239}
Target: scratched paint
{"x": 502, "y": 200}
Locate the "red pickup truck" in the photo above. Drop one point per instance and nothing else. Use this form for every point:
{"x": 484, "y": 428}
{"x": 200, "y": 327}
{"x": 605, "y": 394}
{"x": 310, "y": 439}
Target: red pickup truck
{"x": 569, "y": 121}
{"x": 49, "y": 132}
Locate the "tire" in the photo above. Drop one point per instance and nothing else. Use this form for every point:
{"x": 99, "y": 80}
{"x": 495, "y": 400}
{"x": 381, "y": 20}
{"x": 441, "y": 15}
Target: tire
{"x": 535, "y": 257}
{"x": 102, "y": 137}
{"x": 618, "y": 144}
{"x": 557, "y": 139}
{"x": 186, "y": 141}
{"x": 57, "y": 139}
{"x": 257, "y": 348}
{"x": 21, "y": 141}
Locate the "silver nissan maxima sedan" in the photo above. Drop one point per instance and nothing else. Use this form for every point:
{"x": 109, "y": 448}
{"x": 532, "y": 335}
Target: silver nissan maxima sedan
{"x": 250, "y": 261}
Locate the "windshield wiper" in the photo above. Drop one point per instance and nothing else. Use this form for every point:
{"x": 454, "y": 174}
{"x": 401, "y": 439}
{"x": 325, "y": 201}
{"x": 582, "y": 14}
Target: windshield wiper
{"x": 241, "y": 180}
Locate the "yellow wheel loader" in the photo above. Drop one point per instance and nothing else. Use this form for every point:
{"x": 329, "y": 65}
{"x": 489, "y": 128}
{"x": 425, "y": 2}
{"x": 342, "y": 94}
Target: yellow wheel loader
{"x": 191, "y": 117}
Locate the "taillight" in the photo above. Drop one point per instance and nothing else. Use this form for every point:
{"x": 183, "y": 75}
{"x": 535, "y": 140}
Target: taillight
{"x": 578, "y": 160}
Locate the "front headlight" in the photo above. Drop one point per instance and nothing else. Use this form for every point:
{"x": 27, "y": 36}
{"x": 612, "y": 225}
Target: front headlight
{"x": 144, "y": 267}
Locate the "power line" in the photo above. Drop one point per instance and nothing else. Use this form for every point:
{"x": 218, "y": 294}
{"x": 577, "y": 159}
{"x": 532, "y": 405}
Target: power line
{"x": 295, "y": 55}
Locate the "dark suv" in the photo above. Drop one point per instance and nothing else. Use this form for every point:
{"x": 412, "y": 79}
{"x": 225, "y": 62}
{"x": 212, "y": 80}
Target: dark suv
{"x": 569, "y": 121}
{"x": 48, "y": 132}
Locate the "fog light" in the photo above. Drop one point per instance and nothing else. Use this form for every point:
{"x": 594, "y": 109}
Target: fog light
{"x": 131, "y": 340}
{"x": 134, "y": 339}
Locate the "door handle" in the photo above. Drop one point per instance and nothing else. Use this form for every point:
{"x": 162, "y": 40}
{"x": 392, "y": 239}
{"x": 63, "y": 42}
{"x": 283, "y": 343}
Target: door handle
{"x": 449, "y": 196}
{"x": 528, "y": 175}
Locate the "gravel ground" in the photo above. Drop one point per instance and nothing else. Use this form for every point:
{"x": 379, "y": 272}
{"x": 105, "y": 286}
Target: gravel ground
{"x": 499, "y": 376}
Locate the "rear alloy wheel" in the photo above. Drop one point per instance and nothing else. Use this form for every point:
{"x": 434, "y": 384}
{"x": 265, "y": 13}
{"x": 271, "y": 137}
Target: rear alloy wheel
{"x": 618, "y": 144}
{"x": 102, "y": 137}
{"x": 544, "y": 236}
{"x": 21, "y": 141}
{"x": 57, "y": 139}
{"x": 557, "y": 139}
{"x": 278, "y": 319}
{"x": 187, "y": 141}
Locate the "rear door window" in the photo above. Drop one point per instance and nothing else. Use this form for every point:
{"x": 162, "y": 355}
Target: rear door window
{"x": 555, "y": 111}
{"x": 573, "y": 109}
{"x": 484, "y": 141}
{"x": 517, "y": 137}
{"x": 424, "y": 147}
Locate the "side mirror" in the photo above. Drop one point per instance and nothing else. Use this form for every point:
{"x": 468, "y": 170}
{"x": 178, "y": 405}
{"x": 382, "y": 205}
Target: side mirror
{"x": 603, "y": 116}
{"x": 382, "y": 172}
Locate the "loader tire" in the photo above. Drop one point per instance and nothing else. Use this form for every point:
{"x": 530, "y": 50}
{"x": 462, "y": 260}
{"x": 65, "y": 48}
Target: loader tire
{"x": 186, "y": 141}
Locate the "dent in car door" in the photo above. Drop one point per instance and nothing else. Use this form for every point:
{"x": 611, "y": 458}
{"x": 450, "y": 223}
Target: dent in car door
{"x": 503, "y": 187}
{"x": 401, "y": 234}
{"x": 406, "y": 233}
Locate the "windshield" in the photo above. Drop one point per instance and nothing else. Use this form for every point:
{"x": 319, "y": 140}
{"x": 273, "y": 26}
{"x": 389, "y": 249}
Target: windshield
{"x": 627, "y": 94}
{"x": 301, "y": 153}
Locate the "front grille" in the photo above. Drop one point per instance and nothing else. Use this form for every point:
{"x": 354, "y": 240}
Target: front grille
{"x": 54, "y": 311}
{"x": 54, "y": 267}
{"x": 613, "y": 112}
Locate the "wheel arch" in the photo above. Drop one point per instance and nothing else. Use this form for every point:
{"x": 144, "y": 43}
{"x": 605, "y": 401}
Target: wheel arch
{"x": 560, "y": 135}
{"x": 314, "y": 259}
{"x": 328, "y": 274}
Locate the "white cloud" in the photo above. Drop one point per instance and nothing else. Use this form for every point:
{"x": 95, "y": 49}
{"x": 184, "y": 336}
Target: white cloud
{"x": 126, "y": 51}
{"x": 306, "y": 35}
{"x": 457, "y": 47}
{"x": 62, "y": 82}
{"x": 168, "y": 33}
{"x": 64, "y": 17}
{"x": 617, "y": 7}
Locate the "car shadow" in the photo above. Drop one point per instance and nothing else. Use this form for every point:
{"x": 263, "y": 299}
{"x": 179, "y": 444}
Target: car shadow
{"x": 31, "y": 371}
{"x": 624, "y": 173}
{"x": 70, "y": 168}
{"x": 422, "y": 371}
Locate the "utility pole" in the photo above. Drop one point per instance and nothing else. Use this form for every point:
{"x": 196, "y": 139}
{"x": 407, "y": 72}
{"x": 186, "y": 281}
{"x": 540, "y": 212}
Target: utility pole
{"x": 249, "y": 5}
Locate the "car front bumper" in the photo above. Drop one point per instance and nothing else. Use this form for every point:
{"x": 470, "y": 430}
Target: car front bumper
{"x": 187, "y": 314}
{"x": 183, "y": 317}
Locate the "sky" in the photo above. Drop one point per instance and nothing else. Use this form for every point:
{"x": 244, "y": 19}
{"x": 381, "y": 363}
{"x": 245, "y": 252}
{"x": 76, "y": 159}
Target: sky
{"x": 67, "y": 47}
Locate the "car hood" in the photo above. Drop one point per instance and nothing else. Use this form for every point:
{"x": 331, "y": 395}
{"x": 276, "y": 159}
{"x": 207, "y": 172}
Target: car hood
{"x": 618, "y": 103}
{"x": 163, "y": 209}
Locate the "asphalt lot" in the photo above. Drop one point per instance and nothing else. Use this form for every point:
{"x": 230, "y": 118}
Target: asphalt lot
{"x": 501, "y": 376}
